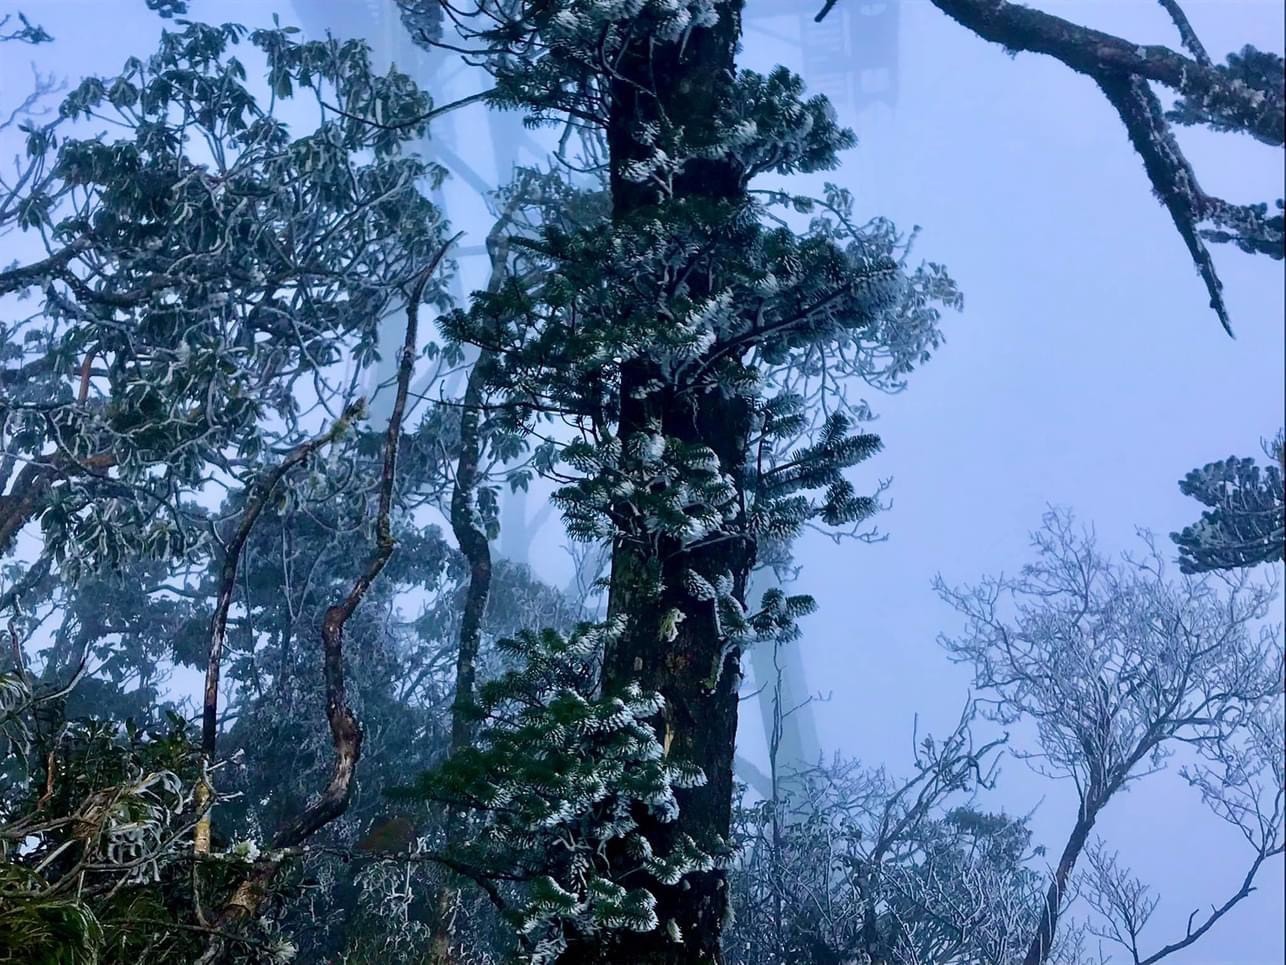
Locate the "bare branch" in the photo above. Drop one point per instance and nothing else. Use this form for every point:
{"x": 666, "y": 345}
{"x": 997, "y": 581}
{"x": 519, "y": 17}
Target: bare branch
{"x": 1123, "y": 71}
{"x": 1116, "y": 664}
{"x": 346, "y": 732}
{"x": 1097, "y": 54}
{"x": 1186, "y": 33}
{"x": 256, "y": 499}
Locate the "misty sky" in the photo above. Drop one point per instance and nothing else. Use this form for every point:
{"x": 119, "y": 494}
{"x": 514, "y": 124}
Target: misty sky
{"x": 1086, "y": 371}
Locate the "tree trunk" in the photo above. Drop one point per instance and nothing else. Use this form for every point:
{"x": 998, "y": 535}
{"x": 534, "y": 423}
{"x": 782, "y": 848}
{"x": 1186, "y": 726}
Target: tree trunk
{"x": 693, "y": 668}
{"x": 699, "y": 677}
{"x": 471, "y": 536}
{"x": 1042, "y": 943}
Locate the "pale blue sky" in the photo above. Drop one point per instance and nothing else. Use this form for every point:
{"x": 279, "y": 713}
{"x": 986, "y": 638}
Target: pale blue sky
{"x": 1086, "y": 370}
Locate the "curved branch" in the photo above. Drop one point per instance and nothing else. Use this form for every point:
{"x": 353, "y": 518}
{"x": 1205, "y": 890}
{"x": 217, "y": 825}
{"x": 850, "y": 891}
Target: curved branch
{"x": 1247, "y": 887}
{"x": 1097, "y": 54}
{"x": 256, "y": 499}
{"x": 346, "y": 731}
{"x": 1123, "y": 71}
{"x": 1172, "y": 177}
{"x": 1186, "y": 33}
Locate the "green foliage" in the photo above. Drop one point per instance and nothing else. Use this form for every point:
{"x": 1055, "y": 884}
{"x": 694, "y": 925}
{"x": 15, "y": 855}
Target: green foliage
{"x": 48, "y": 932}
{"x": 422, "y": 20}
{"x": 214, "y": 285}
{"x": 559, "y": 778}
{"x": 1245, "y": 523}
{"x": 95, "y": 823}
{"x": 1258, "y": 70}
{"x": 214, "y": 282}
{"x": 205, "y": 265}
{"x": 782, "y": 506}
{"x": 784, "y": 296}
{"x": 168, "y": 8}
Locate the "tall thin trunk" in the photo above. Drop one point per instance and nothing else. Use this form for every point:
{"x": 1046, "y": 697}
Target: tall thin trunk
{"x": 256, "y": 498}
{"x": 775, "y": 736}
{"x": 471, "y": 536}
{"x": 248, "y": 897}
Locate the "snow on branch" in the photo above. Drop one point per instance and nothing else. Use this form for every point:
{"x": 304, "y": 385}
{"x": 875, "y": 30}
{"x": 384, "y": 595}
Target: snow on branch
{"x": 1247, "y": 94}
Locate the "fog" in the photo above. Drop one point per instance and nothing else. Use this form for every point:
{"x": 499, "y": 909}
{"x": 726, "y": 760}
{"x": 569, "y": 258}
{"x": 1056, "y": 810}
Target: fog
{"x": 1085, "y": 371}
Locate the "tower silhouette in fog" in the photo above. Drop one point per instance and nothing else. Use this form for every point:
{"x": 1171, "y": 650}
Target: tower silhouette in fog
{"x": 851, "y": 56}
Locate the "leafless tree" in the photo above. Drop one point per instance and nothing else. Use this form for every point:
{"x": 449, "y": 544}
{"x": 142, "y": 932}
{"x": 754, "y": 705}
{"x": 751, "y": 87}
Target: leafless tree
{"x": 1119, "y": 665}
{"x": 1241, "y": 780}
{"x": 843, "y": 863}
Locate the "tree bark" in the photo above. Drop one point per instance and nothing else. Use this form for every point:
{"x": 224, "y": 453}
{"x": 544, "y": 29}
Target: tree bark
{"x": 695, "y": 670}
{"x": 1042, "y": 943}
{"x": 1095, "y": 53}
{"x": 471, "y": 536}
{"x": 346, "y": 731}
{"x": 256, "y": 499}
{"x": 29, "y": 491}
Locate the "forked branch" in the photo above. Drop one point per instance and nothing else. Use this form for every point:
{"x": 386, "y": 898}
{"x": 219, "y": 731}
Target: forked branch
{"x": 346, "y": 731}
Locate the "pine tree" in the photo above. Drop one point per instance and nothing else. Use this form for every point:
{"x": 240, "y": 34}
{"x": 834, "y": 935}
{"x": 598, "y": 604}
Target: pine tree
{"x": 1245, "y": 522}
{"x": 657, "y": 332}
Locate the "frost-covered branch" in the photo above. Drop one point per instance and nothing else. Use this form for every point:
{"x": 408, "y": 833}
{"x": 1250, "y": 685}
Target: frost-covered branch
{"x": 1117, "y": 665}
{"x": 1186, "y": 34}
{"x": 346, "y": 732}
{"x": 23, "y": 32}
{"x": 255, "y": 499}
{"x": 1247, "y": 95}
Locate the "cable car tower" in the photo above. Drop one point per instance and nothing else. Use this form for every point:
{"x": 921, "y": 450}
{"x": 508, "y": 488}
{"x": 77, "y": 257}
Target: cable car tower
{"x": 851, "y": 56}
